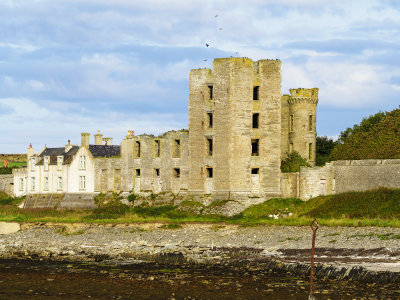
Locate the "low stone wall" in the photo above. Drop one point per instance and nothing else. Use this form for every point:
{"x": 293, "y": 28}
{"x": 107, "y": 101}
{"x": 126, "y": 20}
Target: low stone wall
{"x": 7, "y": 184}
{"x": 362, "y": 175}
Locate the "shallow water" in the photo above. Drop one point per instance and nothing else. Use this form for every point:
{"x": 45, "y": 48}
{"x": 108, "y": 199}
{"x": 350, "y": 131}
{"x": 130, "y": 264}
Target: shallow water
{"x": 26, "y": 279}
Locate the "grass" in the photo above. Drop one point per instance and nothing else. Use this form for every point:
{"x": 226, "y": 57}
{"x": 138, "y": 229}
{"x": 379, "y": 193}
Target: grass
{"x": 379, "y": 207}
{"x": 14, "y": 164}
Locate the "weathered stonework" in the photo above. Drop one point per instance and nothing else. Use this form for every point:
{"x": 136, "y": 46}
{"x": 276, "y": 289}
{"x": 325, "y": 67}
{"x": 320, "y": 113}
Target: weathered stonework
{"x": 240, "y": 127}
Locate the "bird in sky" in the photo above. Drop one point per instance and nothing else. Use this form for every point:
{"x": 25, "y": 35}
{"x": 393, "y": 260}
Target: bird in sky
{"x": 215, "y": 16}
{"x": 207, "y": 45}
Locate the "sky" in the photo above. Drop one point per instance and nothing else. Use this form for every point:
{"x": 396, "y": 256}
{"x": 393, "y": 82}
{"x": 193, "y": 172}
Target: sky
{"x": 72, "y": 66}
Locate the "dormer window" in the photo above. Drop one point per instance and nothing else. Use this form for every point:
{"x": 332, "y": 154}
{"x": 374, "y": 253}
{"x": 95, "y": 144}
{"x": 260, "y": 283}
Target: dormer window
{"x": 46, "y": 163}
{"x": 82, "y": 162}
{"x": 59, "y": 162}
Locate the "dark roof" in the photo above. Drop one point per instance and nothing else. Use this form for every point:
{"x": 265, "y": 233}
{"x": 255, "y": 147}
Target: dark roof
{"x": 105, "y": 150}
{"x": 54, "y": 152}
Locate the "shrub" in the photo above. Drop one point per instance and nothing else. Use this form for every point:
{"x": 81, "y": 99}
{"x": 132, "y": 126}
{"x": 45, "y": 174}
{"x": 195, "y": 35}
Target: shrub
{"x": 293, "y": 163}
{"x": 132, "y": 198}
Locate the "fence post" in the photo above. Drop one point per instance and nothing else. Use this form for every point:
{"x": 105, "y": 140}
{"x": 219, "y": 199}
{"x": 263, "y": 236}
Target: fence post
{"x": 314, "y": 226}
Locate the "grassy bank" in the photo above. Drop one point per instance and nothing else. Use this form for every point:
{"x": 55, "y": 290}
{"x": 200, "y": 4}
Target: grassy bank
{"x": 380, "y": 207}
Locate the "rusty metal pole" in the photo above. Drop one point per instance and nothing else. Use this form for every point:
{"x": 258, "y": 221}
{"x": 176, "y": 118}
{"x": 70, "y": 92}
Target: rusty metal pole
{"x": 314, "y": 226}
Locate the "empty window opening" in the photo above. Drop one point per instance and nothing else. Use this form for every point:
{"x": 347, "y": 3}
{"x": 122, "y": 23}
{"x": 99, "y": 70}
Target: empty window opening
{"x": 310, "y": 151}
{"x": 291, "y": 123}
{"x": 255, "y": 147}
{"x": 177, "y": 172}
{"x": 255, "y": 120}
{"x": 157, "y": 172}
{"x": 290, "y": 147}
{"x": 210, "y": 172}
{"x": 137, "y": 149}
{"x": 310, "y": 123}
{"x": 210, "y": 146}
{"x": 256, "y": 90}
{"x": 137, "y": 172}
{"x": 210, "y": 91}
{"x": 177, "y": 148}
{"x": 157, "y": 148}
{"x": 254, "y": 170}
{"x": 59, "y": 183}
{"x": 210, "y": 120}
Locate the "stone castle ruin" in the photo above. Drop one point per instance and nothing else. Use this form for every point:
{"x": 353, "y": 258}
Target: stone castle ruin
{"x": 240, "y": 128}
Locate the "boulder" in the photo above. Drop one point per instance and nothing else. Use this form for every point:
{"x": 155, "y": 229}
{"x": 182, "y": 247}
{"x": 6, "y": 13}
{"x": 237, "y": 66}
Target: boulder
{"x": 7, "y": 228}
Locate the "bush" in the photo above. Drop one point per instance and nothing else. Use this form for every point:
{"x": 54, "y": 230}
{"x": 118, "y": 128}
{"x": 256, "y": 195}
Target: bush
{"x": 111, "y": 210}
{"x": 293, "y": 163}
{"x": 5, "y": 170}
{"x": 132, "y": 198}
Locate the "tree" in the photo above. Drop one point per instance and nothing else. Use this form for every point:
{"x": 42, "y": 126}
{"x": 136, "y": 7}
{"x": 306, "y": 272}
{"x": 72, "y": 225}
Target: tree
{"x": 324, "y": 147}
{"x": 293, "y": 163}
{"x": 377, "y": 137}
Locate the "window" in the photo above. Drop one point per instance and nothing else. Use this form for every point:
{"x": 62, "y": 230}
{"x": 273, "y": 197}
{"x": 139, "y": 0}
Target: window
{"x": 59, "y": 162}
{"x": 255, "y": 170}
{"x": 21, "y": 184}
{"x": 157, "y": 149}
{"x": 209, "y": 146}
{"x": 46, "y": 183}
{"x": 82, "y": 182}
{"x": 310, "y": 123}
{"x": 59, "y": 183}
{"x": 33, "y": 183}
{"x": 137, "y": 149}
{"x": 210, "y": 91}
{"x": 176, "y": 151}
{"x": 210, "y": 172}
{"x": 177, "y": 172}
{"x": 137, "y": 172}
{"x": 254, "y": 147}
{"x": 291, "y": 123}
{"x": 210, "y": 120}
{"x": 255, "y": 120}
{"x": 156, "y": 172}
{"x": 310, "y": 151}
{"x": 256, "y": 92}
{"x": 32, "y": 163}
{"x": 46, "y": 163}
{"x": 82, "y": 162}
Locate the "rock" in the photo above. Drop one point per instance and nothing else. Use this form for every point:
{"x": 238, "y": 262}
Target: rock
{"x": 7, "y": 228}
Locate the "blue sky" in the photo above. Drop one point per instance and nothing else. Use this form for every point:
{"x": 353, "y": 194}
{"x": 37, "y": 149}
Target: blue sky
{"x": 69, "y": 66}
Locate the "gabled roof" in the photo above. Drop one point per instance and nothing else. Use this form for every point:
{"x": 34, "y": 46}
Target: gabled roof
{"x": 54, "y": 152}
{"x": 105, "y": 150}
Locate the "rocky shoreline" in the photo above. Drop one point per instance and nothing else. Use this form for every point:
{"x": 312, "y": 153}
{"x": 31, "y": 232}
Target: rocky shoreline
{"x": 366, "y": 254}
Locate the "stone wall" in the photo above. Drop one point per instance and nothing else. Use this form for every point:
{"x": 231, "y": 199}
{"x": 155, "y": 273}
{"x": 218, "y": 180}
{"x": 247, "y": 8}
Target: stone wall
{"x": 7, "y": 184}
{"x": 361, "y": 175}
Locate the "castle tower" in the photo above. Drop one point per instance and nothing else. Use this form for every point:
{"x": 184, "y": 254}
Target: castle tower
{"x": 299, "y": 112}
{"x": 235, "y": 128}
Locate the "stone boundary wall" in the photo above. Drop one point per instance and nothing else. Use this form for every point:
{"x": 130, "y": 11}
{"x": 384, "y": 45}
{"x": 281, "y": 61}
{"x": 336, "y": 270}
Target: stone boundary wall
{"x": 7, "y": 183}
{"x": 362, "y": 175}
{"x": 343, "y": 176}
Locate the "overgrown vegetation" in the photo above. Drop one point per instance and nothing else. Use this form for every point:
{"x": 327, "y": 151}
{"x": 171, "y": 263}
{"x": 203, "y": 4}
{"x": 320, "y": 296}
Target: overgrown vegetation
{"x": 377, "y": 136}
{"x": 293, "y": 163}
{"x": 379, "y": 207}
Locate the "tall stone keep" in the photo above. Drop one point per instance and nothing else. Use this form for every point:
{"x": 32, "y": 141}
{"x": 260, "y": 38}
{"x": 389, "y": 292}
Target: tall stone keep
{"x": 299, "y": 113}
{"x": 235, "y": 128}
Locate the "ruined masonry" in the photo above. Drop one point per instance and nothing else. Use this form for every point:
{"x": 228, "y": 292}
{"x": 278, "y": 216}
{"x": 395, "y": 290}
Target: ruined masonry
{"x": 240, "y": 128}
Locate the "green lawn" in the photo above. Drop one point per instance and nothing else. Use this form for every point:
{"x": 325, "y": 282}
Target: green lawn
{"x": 14, "y": 164}
{"x": 380, "y": 207}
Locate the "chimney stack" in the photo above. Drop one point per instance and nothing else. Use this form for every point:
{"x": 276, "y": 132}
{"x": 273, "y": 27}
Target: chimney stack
{"x": 98, "y": 138}
{"x": 85, "y": 139}
{"x": 68, "y": 146}
{"x": 31, "y": 152}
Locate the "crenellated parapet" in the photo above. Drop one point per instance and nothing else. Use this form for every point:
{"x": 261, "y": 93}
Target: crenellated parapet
{"x": 302, "y": 95}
